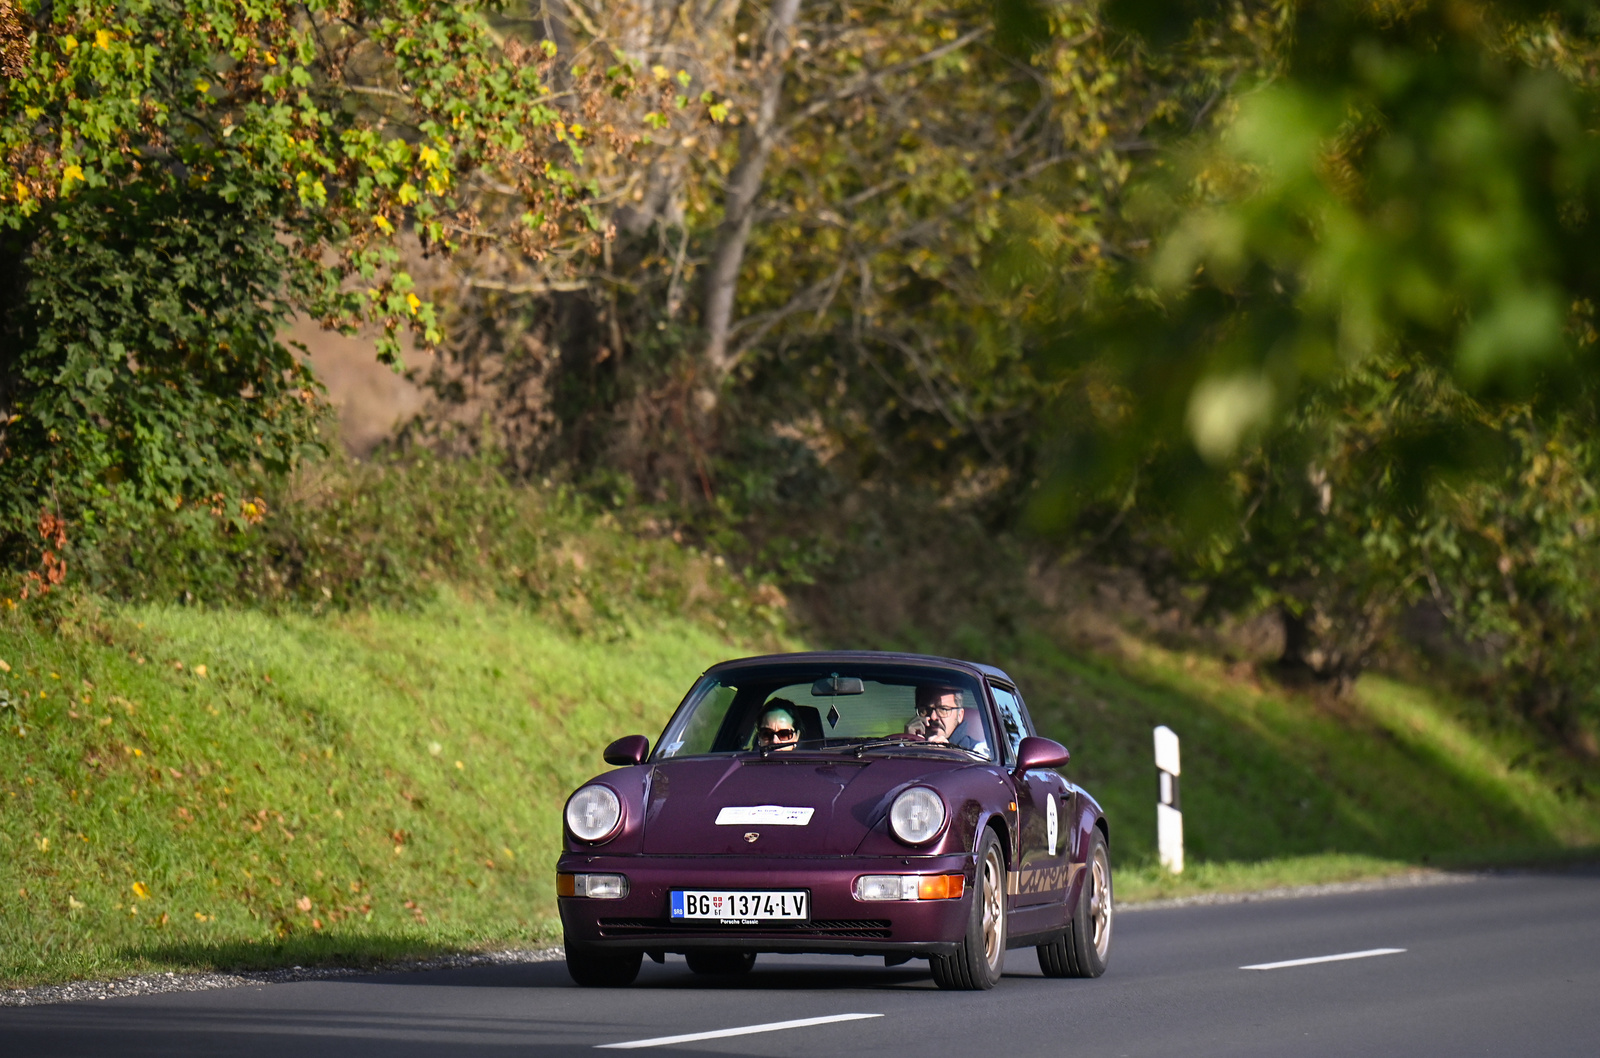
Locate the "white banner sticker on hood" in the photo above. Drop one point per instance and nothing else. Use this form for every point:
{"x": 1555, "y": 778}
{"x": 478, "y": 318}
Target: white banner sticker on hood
{"x": 767, "y": 815}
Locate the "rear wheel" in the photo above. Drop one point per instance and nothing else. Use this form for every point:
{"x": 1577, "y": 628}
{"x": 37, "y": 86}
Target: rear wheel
{"x": 597, "y": 968}
{"x": 1085, "y": 947}
{"x": 720, "y": 961}
{"x": 977, "y": 963}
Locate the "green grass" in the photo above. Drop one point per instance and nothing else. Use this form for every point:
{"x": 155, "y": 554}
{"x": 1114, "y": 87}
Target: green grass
{"x": 364, "y": 786}
{"x": 352, "y": 787}
{"x": 1283, "y": 788}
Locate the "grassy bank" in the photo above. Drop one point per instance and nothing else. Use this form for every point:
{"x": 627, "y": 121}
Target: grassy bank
{"x": 1284, "y": 788}
{"x": 187, "y": 788}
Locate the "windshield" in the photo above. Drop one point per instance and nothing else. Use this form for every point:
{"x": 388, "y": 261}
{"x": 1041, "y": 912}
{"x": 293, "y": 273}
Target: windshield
{"x": 786, "y": 707}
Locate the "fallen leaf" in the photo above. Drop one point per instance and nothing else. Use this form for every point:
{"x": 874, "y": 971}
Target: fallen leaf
{"x": 74, "y": 903}
{"x": 304, "y": 903}
{"x": 4, "y": 667}
{"x": 141, "y": 891}
{"x": 200, "y": 670}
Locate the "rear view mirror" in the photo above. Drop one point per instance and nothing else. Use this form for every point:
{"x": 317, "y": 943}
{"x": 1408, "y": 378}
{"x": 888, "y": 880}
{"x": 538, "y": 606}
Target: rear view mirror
{"x": 631, "y": 749}
{"x": 1035, "y": 752}
{"x": 831, "y": 686}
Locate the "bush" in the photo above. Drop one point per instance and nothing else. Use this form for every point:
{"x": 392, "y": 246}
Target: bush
{"x": 341, "y": 535}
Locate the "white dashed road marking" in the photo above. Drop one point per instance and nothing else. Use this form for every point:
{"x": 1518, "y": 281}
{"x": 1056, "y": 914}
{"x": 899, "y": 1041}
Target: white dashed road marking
{"x": 717, "y": 1034}
{"x": 1324, "y": 958}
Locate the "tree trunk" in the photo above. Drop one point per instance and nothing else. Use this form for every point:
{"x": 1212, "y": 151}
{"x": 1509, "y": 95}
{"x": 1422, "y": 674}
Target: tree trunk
{"x": 744, "y": 183}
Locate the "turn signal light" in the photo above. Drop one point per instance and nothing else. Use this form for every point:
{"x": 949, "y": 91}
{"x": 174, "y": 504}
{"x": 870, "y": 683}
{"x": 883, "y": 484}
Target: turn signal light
{"x": 941, "y": 887}
{"x": 593, "y": 886}
{"x": 910, "y": 886}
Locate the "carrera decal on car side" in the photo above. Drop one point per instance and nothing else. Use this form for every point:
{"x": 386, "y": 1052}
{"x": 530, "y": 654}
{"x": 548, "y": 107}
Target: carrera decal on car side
{"x": 1043, "y": 879}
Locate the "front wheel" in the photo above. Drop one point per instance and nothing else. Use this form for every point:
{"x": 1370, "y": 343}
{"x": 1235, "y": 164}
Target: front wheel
{"x": 720, "y": 962}
{"x": 597, "y": 968}
{"x": 1085, "y": 947}
{"x": 977, "y": 963}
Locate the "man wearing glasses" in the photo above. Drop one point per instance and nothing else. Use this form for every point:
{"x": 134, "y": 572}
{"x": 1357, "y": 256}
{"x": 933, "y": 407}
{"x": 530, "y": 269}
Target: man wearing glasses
{"x": 776, "y": 729}
{"x": 940, "y": 711}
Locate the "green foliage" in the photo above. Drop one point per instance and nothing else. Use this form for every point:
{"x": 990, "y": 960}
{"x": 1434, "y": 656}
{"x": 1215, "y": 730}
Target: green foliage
{"x": 391, "y": 533}
{"x": 1417, "y": 185}
{"x": 177, "y": 176}
{"x": 1338, "y": 383}
{"x": 152, "y": 370}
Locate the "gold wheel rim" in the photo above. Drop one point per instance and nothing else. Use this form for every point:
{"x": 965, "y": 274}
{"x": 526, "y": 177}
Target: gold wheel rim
{"x": 1100, "y": 903}
{"x": 994, "y": 913}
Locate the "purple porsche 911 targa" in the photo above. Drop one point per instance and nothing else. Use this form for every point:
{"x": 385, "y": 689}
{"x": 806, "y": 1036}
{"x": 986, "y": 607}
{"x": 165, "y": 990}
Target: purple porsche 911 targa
{"x": 855, "y": 803}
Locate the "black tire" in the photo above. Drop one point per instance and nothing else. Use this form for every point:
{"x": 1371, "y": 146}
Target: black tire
{"x": 979, "y": 961}
{"x": 597, "y": 968}
{"x": 720, "y": 962}
{"x": 1084, "y": 949}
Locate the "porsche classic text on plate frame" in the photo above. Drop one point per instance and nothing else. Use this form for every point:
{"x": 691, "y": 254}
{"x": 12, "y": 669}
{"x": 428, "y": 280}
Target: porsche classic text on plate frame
{"x": 741, "y": 906}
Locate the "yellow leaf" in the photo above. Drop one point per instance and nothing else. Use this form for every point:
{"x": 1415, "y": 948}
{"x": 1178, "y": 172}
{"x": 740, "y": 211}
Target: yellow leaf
{"x": 74, "y": 903}
{"x": 202, "y": 87}
{"x": 414, "y": 303}
{"x": 201, "y": 916}
{"x": 429, "y": 157}
{"x": 71, "y": 173}
{"x": 141, "y": 891}
{"x": 461, "y": 766}
{"x": 103, "y": 38}
{"x": 4, "y": 667}
{"x": 44, "y": 844}
{"x": 200, "y": 670}
{"x": 382, "y": 223}
{"x": 69, "y": 44}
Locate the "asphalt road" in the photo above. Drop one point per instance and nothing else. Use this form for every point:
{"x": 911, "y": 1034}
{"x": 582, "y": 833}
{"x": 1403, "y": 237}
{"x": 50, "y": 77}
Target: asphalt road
{"x": 1507, "y": 965}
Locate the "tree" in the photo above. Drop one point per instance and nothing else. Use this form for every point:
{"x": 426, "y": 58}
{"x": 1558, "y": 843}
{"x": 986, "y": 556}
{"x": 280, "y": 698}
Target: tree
{"x": 1355, "y": 370}
{"x": 178, "y": 176}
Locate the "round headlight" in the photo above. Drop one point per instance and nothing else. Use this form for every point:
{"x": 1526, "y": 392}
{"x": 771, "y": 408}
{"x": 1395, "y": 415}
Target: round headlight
{"x": 916, "y": 815}
{"x": 593, "y": 813}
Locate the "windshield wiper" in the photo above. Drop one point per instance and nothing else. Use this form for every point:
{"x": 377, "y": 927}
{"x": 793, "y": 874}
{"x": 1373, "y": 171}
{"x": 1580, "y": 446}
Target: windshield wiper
{"x": 901, "y": 740}
{"x": 765, "y": 750}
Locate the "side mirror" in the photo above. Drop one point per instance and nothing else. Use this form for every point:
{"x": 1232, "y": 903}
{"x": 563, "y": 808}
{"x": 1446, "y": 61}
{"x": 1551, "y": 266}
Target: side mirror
{"x": 630, "y": 750}
{"x": 1038, "y": 752}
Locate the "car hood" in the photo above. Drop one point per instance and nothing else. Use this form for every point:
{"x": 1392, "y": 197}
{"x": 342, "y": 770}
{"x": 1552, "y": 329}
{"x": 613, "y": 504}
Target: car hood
{"x": 848, "y": 798}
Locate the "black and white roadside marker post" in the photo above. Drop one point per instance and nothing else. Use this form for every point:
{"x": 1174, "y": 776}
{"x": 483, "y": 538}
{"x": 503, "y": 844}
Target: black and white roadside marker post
{"x": 1169, "y": 810}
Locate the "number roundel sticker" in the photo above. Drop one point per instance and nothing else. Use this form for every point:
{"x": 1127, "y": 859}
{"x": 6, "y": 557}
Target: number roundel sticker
{"x": 1051, "y": 823}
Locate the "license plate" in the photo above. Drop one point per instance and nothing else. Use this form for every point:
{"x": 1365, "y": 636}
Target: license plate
{"x": 741, "y": 907}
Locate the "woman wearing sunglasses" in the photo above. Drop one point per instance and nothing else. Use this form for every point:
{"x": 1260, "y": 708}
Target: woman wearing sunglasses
{"x": 776, "y": 729}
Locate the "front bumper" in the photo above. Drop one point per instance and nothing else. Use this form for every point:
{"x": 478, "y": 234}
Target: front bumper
{"x": 839, "y": 922}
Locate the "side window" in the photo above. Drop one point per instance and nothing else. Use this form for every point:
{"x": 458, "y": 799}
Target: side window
{"x": 1012, "y": 719}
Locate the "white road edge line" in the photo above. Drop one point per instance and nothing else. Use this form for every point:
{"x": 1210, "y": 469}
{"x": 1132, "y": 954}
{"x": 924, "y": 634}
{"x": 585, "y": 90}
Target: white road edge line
{"x": 717, "y": 1034}
{"x": 1324, "y": 958}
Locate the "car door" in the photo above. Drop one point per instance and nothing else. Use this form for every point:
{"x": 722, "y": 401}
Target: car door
{"x": 1042, "y": 822}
